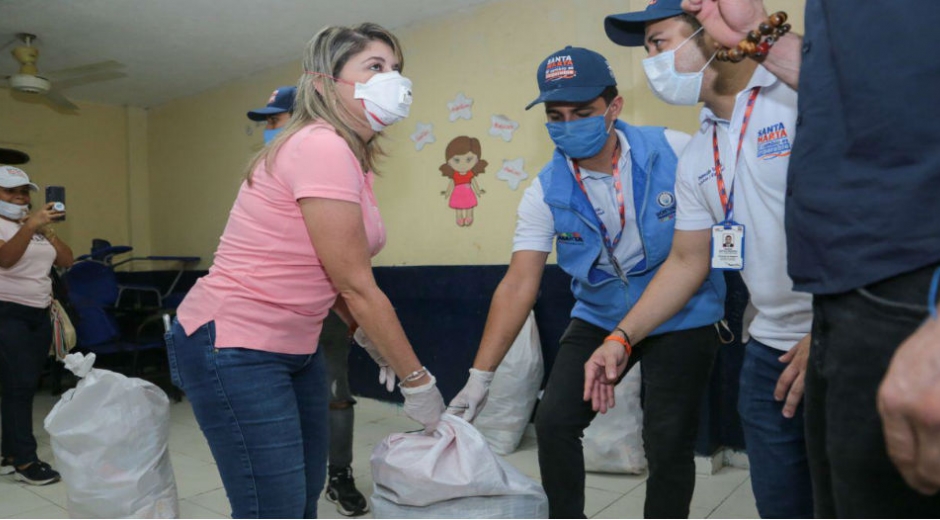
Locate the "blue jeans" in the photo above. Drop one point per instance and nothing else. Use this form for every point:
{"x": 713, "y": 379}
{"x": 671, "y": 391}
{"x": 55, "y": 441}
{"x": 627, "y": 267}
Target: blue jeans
{"x": 776, "y": 446}
{"x": 265, "y": 417}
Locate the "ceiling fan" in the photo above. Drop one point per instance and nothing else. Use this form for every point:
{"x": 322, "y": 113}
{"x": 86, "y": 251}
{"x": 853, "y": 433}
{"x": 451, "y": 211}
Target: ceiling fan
{"x": 29, "y": 80}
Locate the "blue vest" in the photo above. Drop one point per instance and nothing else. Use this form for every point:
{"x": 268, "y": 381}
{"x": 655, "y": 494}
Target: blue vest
{"x": 601, "y": 298}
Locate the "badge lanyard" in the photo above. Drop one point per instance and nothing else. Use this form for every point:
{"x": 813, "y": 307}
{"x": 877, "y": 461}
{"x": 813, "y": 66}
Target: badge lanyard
{"x": 727, "y": 198}
{"x": 608, "y": 243}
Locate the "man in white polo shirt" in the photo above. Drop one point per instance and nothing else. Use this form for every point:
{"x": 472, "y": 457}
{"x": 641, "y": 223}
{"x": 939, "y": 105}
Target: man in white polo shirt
{"x": 730, "y": 189}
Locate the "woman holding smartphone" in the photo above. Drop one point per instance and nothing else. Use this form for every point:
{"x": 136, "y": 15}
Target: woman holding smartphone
{"x": 29, "y": 247}
{"x": 298, "y": 243}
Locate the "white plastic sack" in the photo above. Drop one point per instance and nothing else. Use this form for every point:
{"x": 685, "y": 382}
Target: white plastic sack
{"x": 109, "y": 436}
{"x": 613, "y": 443}
{"x": 451, "y": 473}
{"x": 513, "y": 392}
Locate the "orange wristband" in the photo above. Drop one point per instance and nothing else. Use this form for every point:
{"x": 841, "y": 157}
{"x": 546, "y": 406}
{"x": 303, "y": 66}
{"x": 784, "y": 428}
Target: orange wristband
{"x": 622, "y": 341}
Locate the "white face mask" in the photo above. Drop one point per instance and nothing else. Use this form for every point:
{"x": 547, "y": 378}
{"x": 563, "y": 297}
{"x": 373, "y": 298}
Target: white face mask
{"x": 670, "y": 85}
{"x": 386, "y": 98}
{"x": 13, "y": 211}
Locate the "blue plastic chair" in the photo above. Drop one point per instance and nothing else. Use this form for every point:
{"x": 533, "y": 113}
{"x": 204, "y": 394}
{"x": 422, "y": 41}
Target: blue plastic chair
{"x": 103, "y": 252}
{"x": 103, "y": 327}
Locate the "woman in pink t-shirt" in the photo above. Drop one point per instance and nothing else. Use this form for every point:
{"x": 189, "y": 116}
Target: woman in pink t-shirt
{"x": 298, "y": 242}
{"x": 28, "y": 249}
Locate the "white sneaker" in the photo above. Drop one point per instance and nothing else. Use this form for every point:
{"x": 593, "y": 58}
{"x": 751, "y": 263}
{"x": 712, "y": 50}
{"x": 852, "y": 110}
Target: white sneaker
{"x": 6, "y": 468}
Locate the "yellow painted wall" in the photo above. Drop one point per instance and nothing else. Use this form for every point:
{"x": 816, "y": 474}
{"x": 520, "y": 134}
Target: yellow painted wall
{"x": 198, "y": 150}
{"x": 85, "y": 152}
{"x": 198, "y": 146}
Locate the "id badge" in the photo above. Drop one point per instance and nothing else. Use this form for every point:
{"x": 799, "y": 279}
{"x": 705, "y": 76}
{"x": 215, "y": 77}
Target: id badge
{"x": 728, "y": 246}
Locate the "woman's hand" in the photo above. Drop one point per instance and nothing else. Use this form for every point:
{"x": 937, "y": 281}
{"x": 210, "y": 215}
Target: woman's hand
{"x": 424, "y": 403}
{"x": 42, "y": 217}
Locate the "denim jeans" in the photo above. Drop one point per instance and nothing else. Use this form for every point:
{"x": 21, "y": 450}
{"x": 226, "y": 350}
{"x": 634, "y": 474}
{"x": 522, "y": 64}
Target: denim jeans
{"x": 855, "y": 334}
{"x": 676, "y": 370}
{"x": 265, "y": 417}
{"x": 25, "y": 337}
{"x": 776, "y": 446}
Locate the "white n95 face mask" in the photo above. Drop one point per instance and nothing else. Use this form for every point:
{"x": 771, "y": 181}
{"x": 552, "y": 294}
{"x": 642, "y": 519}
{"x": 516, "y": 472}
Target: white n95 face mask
{"x": 386, "y": 98}
{"x": 13, "y": 211}
{"x": 670, "y": 85}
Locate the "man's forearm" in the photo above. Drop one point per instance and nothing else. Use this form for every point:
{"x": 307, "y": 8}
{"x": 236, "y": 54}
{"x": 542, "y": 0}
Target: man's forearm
{"x": 508, "y": 311}
{"x": 668, "y": 292}
{"x": 784, "y": 59}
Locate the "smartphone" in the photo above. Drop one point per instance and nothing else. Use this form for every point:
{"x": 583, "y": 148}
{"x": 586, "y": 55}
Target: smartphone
{"x": 56, "y": 194}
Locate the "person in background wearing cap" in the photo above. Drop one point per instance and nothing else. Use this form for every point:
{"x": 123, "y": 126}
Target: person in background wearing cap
{"x": 864, "y": 238}
{"x": 606, "y": 200}
{"x": 29, "y": 248}
{"x": 334, "y": 339}
{"x": 277, "y": 112}
{"x": 733, "y": 192}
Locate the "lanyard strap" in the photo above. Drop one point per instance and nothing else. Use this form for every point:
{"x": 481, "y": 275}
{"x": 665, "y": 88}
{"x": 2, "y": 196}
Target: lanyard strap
{"x": 615, "y": 164}
{"x": 727, "y": 198}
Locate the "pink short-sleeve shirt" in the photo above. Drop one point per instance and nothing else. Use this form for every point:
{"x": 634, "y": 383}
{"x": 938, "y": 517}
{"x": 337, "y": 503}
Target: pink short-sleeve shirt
{"x": 267, "y": 289}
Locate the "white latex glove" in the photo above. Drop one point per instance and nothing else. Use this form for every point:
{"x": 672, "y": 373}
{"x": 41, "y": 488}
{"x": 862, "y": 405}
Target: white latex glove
{"x": 468, "y": 403}
{"x": 386, "y": 374}
{"x": 424, "y": 403}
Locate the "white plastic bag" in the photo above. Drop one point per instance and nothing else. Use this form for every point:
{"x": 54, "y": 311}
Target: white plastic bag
{"x": 513, "y": 392}
{"x": 451, "y": 473}
{"x": 109, "y": 436}
{"x": 613, "y": 443}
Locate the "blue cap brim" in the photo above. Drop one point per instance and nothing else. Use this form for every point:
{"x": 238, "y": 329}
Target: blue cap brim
{"x": 262, "y": 114}
{"x": 629, "y": 29}
{"x": 569, "y": 95}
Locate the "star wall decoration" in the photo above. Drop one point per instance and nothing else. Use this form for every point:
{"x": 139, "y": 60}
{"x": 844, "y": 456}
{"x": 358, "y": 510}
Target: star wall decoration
{"x": 513, "y": 172}
{"x": 503, "y": 127}
{"x": 424, "y": 134}
{"x": 460, "y": 108}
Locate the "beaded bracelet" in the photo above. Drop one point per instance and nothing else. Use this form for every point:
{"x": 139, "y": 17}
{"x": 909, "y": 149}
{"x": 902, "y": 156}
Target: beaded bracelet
{"x": 414, "y": 376}
{"x": 758, "y": 42}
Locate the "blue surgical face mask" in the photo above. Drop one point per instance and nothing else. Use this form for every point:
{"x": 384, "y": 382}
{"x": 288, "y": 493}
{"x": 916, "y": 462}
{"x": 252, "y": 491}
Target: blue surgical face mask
{"x": 270, "y": 134}
{"x": 581, "y": 138}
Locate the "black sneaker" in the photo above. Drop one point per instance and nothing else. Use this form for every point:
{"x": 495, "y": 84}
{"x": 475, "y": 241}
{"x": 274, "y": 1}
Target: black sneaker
{"x": 341, "y": 490}
{"x": 38, "y": 474}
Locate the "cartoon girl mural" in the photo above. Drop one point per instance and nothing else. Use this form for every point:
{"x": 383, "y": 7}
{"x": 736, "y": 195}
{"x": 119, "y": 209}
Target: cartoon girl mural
{"x": 463, "y": 164}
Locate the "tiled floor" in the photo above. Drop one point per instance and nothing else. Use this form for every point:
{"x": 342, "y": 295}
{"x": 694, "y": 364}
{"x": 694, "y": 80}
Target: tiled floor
{"x": 726, "y": 494}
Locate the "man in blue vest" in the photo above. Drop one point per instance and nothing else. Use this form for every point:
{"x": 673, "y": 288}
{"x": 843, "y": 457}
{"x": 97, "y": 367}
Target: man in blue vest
{"x": 606, "y": 200}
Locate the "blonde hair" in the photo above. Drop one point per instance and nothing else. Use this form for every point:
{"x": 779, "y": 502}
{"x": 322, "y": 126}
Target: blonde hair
{"x": 324, "y": 56}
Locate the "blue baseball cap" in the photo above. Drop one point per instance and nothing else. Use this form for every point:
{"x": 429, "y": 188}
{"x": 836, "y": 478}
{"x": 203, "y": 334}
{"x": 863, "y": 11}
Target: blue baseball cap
{"x": 282, "y": 100}
{"x": 629, "y": 29}
{"x": 573, "y": 74}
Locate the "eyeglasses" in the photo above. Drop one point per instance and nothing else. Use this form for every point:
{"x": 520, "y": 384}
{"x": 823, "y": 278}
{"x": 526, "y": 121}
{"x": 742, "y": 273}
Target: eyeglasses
{"x": 17, "y": 191}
